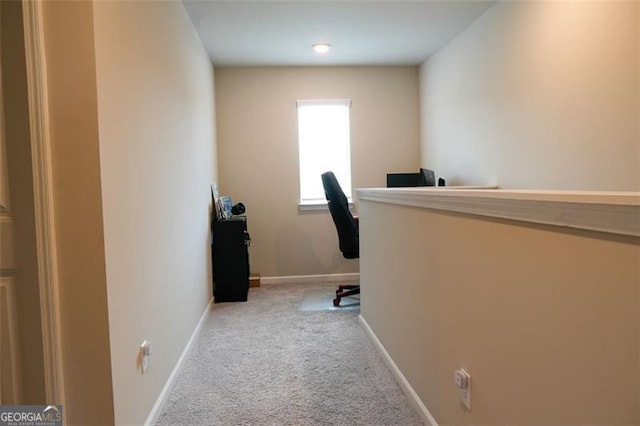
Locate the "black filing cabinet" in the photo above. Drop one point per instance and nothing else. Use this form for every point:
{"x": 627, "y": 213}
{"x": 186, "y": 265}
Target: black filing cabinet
{"x": 230, "y": 255}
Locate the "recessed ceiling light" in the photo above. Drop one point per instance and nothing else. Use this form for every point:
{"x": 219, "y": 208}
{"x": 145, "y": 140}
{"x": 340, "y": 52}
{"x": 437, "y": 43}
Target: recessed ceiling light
{"x": 321, "y": 47}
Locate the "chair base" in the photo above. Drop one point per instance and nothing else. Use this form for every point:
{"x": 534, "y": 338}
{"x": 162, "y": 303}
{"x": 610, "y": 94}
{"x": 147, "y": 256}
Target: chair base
{"x": 344, "y": 291}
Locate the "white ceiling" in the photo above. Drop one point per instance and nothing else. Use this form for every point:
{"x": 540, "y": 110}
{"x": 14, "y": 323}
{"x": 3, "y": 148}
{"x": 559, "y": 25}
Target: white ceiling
{"x": 363, "y": 32}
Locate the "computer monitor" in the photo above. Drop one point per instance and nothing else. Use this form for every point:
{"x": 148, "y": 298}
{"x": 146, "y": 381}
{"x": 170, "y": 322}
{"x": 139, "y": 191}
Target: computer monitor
{"x": 400, "y": 180}
{"x": 428, "y": 177}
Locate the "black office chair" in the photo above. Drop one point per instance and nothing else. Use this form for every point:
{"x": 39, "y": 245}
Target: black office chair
{"x": 347, "y": 227}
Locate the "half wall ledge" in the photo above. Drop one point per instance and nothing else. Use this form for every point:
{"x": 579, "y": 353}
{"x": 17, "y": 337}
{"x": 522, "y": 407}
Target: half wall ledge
{"x": 602, "y": 211}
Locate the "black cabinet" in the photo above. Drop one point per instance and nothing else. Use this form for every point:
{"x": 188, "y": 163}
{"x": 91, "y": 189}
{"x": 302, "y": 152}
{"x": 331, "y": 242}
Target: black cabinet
{"x": 230, "y": 255}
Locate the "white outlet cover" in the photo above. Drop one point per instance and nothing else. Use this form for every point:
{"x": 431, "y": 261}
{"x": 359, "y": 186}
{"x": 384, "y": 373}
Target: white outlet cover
{"x": 463, "y": 381}
{"x": 145, "y": 353}
{"x": 145, "y": 363}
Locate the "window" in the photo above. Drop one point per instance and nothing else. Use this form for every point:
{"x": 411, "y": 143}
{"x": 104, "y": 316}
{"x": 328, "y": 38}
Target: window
{"x": 324, "y": 145}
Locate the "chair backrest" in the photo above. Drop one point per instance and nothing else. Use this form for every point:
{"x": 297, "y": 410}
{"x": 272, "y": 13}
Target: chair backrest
{"x": 346, "y": 225}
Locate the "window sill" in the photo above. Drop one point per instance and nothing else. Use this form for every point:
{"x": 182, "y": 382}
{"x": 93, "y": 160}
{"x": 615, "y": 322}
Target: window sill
{"x": 318, "y": 207}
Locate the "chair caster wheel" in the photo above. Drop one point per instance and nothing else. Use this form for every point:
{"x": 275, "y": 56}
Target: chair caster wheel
{"x": 336, "y": 302}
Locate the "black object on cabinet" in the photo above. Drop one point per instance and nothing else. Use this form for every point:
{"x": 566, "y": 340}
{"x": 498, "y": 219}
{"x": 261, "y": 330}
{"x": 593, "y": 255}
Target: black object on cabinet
{"x": 230, "y": 255}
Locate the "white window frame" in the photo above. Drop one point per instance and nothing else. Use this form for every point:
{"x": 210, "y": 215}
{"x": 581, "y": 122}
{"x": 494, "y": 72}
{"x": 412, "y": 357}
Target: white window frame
{"x": 343, "y": 172}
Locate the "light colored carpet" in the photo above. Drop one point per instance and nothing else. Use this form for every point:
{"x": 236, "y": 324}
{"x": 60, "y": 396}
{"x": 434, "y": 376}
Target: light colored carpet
{"x": 280, "y": 359}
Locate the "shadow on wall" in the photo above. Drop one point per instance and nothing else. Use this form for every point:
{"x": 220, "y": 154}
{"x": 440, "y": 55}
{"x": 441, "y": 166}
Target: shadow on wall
{"x": 295, "y": 253}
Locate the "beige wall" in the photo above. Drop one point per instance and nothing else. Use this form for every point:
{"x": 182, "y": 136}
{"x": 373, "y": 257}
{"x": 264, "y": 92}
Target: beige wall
{"x": 157, "y": 162}
{"x": 71, "y": 79}
{"x": 544, "y": 320}
{"x": 18, "y": 146}
{"x": 133, "y": 147}
{"x": 257, "y": 140}
{"x": 538, "y": 95}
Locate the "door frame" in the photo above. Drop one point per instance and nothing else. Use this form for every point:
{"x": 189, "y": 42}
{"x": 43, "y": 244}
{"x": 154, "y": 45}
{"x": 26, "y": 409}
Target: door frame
{"x": 43, "y": 200}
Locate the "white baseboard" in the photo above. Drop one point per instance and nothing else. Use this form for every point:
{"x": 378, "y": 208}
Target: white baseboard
{"x": 414, "y": 399}
{"x": 350, "y": 277}
{"x": 162, "y": 398}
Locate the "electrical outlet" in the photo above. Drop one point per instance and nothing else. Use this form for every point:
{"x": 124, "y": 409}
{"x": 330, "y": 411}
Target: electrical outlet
{"x": 145, "y": 353}
{"x": 462, "y": 379}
